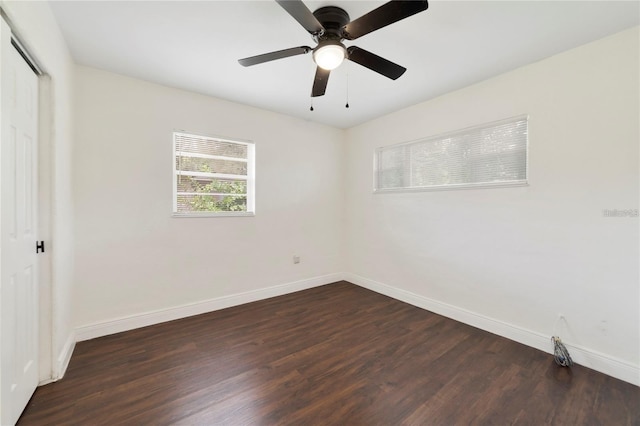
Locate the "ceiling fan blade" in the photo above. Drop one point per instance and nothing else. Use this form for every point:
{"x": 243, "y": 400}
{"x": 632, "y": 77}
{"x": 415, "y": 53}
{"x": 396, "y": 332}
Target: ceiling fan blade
{"x": 302, "y": 14}
{"x": 272, "y": 56}
{"x": 320, "y": 82}
{"x": 375, "y": 62}
{"x": 384, "y": 15}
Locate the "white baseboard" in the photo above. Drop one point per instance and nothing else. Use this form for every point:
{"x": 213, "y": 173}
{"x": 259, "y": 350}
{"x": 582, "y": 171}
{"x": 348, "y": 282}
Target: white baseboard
{"x": 62, "y": 361}
{"x": 118, "y": 325}
{"x": 584, "y": 356}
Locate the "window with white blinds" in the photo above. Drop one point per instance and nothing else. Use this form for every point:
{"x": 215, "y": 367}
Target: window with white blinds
{"x": 212, "y": 176}
{"x": 493, "y": 154}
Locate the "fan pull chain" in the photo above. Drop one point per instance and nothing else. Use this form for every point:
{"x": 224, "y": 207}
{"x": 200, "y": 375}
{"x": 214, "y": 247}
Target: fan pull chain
{"x": 347, "y": 104}
{"x": 311, "y": 109}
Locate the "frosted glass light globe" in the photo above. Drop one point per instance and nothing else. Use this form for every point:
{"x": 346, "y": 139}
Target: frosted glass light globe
{"x": 329, "y": 56}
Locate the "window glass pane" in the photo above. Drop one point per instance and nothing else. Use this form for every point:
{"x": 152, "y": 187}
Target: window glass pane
{"x": 212, "y": 203}
{"x": 391, "y": 163}
{"x": 487, "y": 154}
{"x": 209, "y": 165}
{"x": 212, "y": 175}
{"x": 205, "y": 185}
{"x": 438, "y": 162}
{"x": 209, "y": 146}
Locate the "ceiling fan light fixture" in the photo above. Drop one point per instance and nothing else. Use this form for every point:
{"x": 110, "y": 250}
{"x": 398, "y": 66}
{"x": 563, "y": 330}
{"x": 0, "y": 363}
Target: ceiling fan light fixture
{"x": 329, "y": 54}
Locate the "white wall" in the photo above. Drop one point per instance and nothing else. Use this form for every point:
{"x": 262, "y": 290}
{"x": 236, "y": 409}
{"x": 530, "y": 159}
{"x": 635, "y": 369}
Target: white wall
{"x": 37, "y": 28}
{"x": 133, "y": 258}
{"x": 510, "y": 260}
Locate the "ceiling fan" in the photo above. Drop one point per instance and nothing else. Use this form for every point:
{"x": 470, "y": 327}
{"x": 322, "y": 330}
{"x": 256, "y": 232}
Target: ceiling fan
{"x": 329, "y": 26}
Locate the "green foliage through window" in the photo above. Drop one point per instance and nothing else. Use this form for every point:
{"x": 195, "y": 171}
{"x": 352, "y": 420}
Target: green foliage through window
{"x": 219, "y": 203}
{"x": 212, "y": 175}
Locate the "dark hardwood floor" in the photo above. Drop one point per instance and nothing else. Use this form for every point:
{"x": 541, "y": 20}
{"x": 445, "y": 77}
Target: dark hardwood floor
{"x": 332, "y": 355}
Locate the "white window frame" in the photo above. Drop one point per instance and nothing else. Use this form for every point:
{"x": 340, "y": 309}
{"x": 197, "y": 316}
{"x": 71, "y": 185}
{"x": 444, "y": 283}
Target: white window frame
{"x": 469, "y": 185}
{"x": 250, "y": 178}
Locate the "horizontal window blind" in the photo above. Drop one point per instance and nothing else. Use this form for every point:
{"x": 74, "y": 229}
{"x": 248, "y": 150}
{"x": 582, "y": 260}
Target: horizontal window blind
{"x": 212, "y": 176}
{"x": 486, "y": 155}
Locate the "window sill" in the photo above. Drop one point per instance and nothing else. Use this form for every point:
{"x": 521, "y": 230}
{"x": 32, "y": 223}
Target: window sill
{"x": 452, "y": 187}
{"x": 212, "y": 214}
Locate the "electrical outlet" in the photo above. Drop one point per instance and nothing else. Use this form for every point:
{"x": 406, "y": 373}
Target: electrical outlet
{"x": 296, "y": 259}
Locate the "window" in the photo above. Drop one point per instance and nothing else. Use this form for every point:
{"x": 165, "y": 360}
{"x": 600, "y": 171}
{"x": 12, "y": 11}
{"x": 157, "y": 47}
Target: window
{"x": 212, "y": 176}
{"x": 493, "y": 154}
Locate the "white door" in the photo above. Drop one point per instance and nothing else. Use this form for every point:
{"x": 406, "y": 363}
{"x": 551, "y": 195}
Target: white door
{"x": 18, "y": 219}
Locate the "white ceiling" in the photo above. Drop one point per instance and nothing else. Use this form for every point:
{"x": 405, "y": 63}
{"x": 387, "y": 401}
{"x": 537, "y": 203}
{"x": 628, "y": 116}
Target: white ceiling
{"x": 196, "y": 45}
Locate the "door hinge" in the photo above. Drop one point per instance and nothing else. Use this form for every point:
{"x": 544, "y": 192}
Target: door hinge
{"x": 39, "y": 246}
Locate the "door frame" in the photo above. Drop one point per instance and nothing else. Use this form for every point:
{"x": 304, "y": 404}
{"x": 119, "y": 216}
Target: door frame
{"x": 45, "y": 169}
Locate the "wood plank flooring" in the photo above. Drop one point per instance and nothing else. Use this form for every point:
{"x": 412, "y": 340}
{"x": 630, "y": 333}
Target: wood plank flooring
{"x": 332, "y": 355}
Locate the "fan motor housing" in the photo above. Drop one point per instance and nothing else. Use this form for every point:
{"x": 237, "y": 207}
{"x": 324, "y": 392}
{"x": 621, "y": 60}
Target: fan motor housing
{"x": 332, "y": 18}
